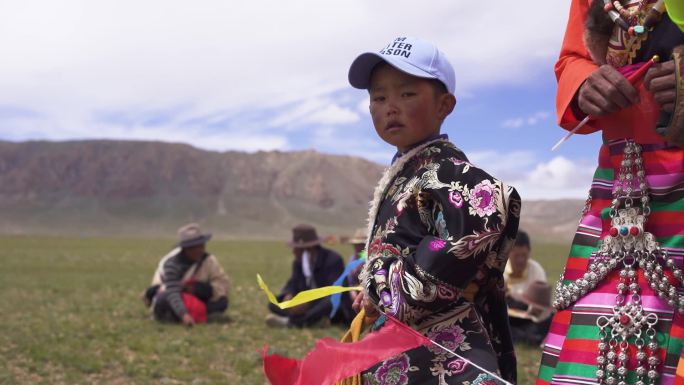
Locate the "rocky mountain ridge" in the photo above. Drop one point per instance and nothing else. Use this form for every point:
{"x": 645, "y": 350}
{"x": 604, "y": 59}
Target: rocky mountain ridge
{"x": 132, "y": 188}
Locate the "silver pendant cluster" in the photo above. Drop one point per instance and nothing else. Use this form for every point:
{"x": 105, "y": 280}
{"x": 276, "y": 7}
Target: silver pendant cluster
{"x": 628, "y": 247}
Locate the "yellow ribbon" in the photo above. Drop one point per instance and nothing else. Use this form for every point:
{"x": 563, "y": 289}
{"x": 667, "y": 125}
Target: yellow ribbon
{"x": 358, "y": 325}
{"x": 303, "y": 296}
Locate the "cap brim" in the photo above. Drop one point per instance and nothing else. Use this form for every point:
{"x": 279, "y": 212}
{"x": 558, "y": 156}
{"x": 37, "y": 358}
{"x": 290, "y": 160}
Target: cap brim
{"x": 195, "y": 242}
{"x": 362, "y": 66}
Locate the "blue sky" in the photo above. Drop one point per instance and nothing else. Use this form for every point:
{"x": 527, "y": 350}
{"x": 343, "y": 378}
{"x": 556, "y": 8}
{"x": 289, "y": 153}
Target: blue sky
{"x": 272, "y": 75}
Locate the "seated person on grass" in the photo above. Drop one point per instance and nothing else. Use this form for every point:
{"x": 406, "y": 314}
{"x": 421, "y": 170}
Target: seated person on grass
{"x": 189, "y": 286}
{"x": 313, "y": 266}
{"x": 527, "y": 293}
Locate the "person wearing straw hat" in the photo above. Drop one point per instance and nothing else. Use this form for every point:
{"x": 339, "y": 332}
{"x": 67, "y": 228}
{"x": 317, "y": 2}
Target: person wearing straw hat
{"x": 313, "y": 266}
{"x": 189, "y": 285}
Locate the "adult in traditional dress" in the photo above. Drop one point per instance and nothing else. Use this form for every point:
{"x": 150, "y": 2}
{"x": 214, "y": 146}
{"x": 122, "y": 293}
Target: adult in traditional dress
{"x": 619, "y": 317}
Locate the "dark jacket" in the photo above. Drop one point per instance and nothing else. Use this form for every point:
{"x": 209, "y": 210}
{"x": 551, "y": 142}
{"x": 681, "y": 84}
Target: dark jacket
{"x": 327, "y": 267}
{"x": 441, "y": 230}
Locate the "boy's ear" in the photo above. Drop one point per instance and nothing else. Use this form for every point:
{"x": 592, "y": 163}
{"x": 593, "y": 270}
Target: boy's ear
{"x": 447, "y": 102}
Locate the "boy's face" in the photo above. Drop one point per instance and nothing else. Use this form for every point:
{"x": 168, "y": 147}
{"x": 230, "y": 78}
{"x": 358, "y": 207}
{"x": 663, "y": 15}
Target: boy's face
{"x": 406, "y": 109}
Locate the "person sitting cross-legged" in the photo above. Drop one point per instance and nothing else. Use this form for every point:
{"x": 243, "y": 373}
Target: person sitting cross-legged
{"x": 189, "y": 285}
{"x": 528, "y": 294}
{"x": 313, "y": 266}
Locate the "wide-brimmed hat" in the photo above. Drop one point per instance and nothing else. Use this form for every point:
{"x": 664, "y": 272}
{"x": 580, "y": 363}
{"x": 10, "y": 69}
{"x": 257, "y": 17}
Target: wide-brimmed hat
{"x": 304, "y": 236}
{"x": 360, "y": 236}
{"x": 191, "y": 235}
{"x": 538, "y": 294}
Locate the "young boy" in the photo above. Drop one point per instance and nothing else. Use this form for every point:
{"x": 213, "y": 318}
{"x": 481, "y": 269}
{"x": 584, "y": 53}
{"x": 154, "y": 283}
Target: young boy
{"x": 440, "y": 228}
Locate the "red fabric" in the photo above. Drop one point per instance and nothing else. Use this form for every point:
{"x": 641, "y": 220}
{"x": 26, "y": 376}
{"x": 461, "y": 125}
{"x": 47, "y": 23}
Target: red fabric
{"x": 574, "y": 66}
{"x": 196, "y": 308}
{"x": 637, "y": 121}
{"x": 331, "y": 361}
{"x": 280, "y": 370}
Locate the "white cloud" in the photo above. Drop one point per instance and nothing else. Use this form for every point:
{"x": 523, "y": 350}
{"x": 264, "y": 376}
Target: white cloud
{"x": 363, "y": 105}
{"x": 244, "y": 139}
{"x": 557, "y": 178}
{"x": 510, "y": 165}
{"x": 70, "y": 59}
{"x": 318, "y": 110}
{"x": 526, "y": 121}
{"x": 559, "y": 172}
{"x": 333, "y": 114}
{"x": 534, "y": 178}
{"x": 360, "y": 142}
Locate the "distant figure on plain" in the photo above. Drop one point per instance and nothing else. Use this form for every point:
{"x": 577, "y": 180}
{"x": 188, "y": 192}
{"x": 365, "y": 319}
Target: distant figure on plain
{"x": 313, "y": 266}
{"x": 358, "y": 242}
{"x": 527, "y": 293}
{"x": 189, "y": 286}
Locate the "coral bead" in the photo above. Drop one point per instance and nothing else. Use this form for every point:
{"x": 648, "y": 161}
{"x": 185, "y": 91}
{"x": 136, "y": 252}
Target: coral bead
{"x": 625, "y": 319}
{"x": 613, "y": 232}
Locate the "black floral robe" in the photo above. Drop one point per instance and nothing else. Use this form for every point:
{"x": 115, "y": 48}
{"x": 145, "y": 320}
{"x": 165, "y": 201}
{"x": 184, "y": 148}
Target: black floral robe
{"x": 440, "y": 231}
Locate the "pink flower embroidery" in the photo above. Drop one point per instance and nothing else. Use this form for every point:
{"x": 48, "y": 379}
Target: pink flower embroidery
{"x": 457, "y": 366}
{"x": 456, "y": 199}
{"x": 393, "y": 371}
{"x": 445, "y": 292}
{"x": 437, "y": 244}
{"x": 451, "y": 338}
{"x": 483, "y": 199}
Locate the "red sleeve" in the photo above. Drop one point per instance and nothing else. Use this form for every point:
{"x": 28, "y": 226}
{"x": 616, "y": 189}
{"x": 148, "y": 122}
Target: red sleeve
{"x": 573, "y": 66}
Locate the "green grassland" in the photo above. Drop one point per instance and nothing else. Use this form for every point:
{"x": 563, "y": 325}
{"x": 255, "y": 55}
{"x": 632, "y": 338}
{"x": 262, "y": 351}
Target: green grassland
{"x": 70, "y": 314}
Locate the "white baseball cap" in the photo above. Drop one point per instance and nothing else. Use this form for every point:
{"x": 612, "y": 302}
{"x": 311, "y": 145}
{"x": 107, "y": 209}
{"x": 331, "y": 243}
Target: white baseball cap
{"x": 409, "y": 55}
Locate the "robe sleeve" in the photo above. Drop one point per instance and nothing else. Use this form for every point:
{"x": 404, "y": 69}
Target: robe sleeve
{"x": 172, "y": 280}
{"x": 465, "y": 217}
{"x": 573, "y": 67}
{"x": 218, "y": 279}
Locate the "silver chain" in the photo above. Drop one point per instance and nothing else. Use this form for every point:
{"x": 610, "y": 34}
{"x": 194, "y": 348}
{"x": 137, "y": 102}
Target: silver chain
{"x": 627, "y": 247}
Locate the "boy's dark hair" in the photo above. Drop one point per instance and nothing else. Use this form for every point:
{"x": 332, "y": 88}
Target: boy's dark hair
{"x": 522, "y": 239}
{"x": 439, "y": 87}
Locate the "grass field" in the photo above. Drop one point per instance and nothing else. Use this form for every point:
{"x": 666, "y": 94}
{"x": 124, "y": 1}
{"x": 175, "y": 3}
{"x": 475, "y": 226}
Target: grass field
{"x": 70, "y": 314}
